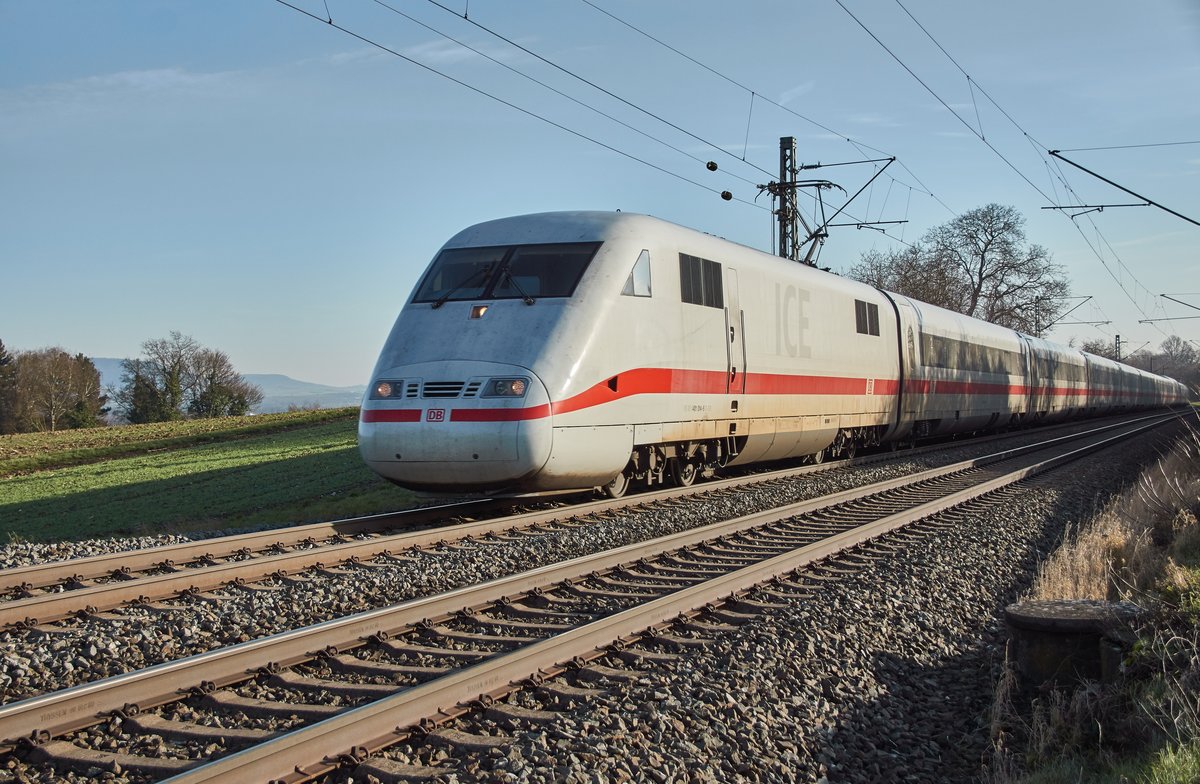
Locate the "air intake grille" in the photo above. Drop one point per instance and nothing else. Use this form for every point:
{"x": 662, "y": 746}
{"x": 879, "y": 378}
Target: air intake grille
{"x": 442, "y": 389}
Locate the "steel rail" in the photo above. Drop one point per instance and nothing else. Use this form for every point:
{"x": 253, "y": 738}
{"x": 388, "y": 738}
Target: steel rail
{"x": 109, "y": 564}
{"x": 385, "y": 721}
{"x": 51, "y": 607}
{"x": 119, "y": 564}
{"x": 84, "y": 705}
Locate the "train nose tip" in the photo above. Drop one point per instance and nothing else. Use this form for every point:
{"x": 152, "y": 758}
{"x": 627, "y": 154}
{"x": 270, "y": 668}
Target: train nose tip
{"x": 443, "y": 440}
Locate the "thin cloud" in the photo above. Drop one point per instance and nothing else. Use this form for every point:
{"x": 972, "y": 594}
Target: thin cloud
{"x": 366, "y": 54}
{"x": 801, "y": 89}
{"x": 441, "y": 51}
{"x": 151, "y": 80}
{"x": 105, "y": 87}
{"x": 873, "y": 120}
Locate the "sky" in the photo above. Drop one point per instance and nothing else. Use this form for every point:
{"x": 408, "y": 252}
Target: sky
{"x": 272, "y": 184}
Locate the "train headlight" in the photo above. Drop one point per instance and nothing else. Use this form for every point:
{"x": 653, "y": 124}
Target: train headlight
{"x": 506, "y": 387}
{"x": 386, "y": 389}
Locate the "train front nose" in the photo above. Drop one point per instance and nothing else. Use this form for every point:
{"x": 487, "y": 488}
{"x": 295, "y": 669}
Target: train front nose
{"x": 456, "y": 426}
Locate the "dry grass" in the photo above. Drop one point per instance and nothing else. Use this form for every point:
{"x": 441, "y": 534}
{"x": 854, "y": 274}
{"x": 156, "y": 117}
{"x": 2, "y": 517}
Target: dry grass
{"x": 1143, "y": 547}
{"x": 1125, "y": 551}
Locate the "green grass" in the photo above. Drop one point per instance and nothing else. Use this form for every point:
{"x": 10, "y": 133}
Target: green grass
{"x": 298, "y": 470}
{"x": 1169, "y": 765}
{"x": 38, "y": 451}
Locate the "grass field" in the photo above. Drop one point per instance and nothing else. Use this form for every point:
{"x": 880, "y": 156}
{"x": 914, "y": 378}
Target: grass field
{"x": 236, "y": 472}
{"x": 35, "y": 451}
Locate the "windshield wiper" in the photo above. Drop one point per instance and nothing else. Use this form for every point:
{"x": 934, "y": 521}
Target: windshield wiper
{"x": 507, "y": 273}
{"x": 486, "y": 271}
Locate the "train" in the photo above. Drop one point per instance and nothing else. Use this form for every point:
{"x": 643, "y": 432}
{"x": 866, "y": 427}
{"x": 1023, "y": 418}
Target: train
{"x": 570, "y": 351}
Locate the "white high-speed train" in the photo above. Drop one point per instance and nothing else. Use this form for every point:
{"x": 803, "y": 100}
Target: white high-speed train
{"x": 575, "y": 350}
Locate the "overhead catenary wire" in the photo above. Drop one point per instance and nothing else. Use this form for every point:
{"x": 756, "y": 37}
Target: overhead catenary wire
{"x": 1100, "y": 256}
{"x": 509, "y": 104}
{"x": 760, "y": 96}
{"x": 1057, "y": 154}
{"x": 551, "y": 88}
{"x": 596, "y": 86}
{"x": 613, "y": 95}
{"x": 1040, "y": 149}
{"x": 941, "y": 100}
{"x": 1128, "y": 146}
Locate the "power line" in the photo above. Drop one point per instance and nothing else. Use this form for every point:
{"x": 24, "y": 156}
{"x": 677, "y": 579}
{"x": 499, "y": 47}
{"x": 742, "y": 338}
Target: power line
{"x": 759, "y": 96}
{"x": 552, "y": 89}
{"x": 1056, "y": 154}
{"x": 509, "y": 104}
{"x": 619, "y": 98}
{"x": 940, "y": 100}
{"x": 1038, "y": 148}
{"x": 1128, "y": 146}
{"x": 1100, "y": 257}
{"x": 595, "y": 86}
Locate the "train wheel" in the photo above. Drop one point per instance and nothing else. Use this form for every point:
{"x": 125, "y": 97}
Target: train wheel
{"x": 618, "y": 486}
{"x": 850, "y": 450}
{"x": 816, "y": 458}
{"x": 684, "y": 472}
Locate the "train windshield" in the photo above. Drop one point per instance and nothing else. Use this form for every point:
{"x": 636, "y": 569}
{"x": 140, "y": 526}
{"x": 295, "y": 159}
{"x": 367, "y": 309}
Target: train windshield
{"x": 506, "y": 272}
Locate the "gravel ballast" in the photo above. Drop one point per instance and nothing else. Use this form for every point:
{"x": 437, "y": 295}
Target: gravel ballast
{"x": 888, "y": 678}
{"x": 880, "y": 679}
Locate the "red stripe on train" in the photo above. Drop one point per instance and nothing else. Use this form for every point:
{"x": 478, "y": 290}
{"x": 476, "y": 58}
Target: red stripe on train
{"x": 390, "y": 415}
{"x": 499, "y": 414}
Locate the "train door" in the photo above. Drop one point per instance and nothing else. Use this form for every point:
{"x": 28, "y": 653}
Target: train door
{"x": 735, "y": 323}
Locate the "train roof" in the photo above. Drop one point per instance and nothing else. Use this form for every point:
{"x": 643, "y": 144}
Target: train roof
{"x": 556, "y": 227}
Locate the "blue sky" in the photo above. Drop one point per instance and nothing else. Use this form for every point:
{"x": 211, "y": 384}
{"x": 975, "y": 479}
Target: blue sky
{"x": 272, "y": 186}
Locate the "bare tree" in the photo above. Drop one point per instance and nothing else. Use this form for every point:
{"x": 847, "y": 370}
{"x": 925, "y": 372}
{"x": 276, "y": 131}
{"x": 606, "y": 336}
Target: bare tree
{"x": 1101, "y": 348}
{"x": 979, "y": 264}
{"x": 914, "y": 273}
{"x": 218, "y": 389}
{"x": 169, "y": 361}
{"x": 177, "y": 377}
{"x": 1179, "y": 359}
{"x": 56, "y": 391}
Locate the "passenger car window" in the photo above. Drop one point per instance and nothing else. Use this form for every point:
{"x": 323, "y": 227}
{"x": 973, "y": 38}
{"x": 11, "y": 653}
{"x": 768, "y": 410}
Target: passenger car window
{"x": 866, "y": 317}
{"x": 700, "y": 281}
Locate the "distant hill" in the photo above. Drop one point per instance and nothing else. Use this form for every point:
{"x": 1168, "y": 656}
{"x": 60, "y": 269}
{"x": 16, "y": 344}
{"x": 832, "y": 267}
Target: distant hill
{"x": 279, "y": 391}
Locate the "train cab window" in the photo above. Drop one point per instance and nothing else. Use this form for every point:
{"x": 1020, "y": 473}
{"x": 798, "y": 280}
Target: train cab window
{"x": 866, "y": 317}
{"x": 638, "y": 283}
{"x": 544, "y": 270}
{"x": 506, "y": 272}
{"x": 460, "y": 273}
{"x": 700, "y": 282}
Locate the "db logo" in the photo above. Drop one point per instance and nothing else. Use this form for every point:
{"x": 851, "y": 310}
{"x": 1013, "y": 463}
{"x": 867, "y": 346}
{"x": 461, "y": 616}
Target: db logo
{"x": 435, "y": 415}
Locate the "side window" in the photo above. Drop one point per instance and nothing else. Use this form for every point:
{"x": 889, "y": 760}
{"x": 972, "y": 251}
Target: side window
{"x": 638, "y": 284}
{"x": 700, "y": 282}
{"x": 866, "y": 317}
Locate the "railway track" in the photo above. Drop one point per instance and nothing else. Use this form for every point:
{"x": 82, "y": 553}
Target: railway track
{"x": 43, "y": 594}
{"x": 365, "y": 682}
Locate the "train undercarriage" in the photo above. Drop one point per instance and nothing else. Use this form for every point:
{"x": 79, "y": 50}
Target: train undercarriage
{"x": 683, "y": 463}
